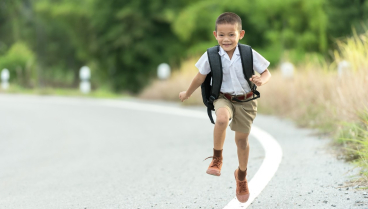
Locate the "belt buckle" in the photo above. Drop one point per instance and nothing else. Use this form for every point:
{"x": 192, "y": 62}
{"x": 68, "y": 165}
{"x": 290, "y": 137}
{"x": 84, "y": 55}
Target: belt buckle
{"x": 237, "y": 96}
{"x": 232, "y": 96}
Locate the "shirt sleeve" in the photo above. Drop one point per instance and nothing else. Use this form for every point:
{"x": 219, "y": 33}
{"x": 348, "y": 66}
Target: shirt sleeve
{"x": 203, "y": 65}
{"x": 260, "y": 64}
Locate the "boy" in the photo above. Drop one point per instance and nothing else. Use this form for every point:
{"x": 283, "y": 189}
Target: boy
{"x": 228, "y": 32}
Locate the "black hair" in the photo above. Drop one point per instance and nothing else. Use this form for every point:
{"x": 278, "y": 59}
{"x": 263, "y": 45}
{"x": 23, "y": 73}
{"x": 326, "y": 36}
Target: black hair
{"x": 229, "y": 18}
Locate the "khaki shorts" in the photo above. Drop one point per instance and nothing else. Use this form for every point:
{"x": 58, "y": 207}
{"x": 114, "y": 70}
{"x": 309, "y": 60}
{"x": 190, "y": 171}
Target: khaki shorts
{"x": 241, "y": 113}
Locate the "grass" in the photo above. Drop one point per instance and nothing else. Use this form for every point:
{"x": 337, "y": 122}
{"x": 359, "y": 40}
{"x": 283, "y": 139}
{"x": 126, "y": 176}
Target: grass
{"x": 354, "y": 139}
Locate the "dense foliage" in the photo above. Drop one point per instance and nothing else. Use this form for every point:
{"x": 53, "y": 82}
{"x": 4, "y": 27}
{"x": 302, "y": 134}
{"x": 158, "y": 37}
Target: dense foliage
{"x": 124, "y": 41}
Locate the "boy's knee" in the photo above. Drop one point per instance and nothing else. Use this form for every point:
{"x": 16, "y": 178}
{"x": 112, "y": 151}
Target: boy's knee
{"x": 222, "y": 120}
{"x": 222, "y": 116}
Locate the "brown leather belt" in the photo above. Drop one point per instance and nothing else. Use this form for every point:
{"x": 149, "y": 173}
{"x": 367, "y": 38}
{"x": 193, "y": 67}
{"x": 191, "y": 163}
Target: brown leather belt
{"x": 239, "y": 97}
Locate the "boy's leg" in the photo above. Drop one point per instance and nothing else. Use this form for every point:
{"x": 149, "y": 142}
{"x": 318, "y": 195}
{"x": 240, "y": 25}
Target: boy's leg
{"x": 242, "y": 191}
{"x": 219, "y": 133}
{"x": 241, "y": 140}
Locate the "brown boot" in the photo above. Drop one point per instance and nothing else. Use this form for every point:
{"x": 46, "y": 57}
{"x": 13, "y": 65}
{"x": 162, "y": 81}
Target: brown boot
{"x": 215, "y": 167}
{"x": 242, "y": 191}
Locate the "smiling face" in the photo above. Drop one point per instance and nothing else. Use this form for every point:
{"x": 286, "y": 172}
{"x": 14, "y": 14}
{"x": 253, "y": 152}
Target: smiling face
{"x": 228, "y": 36}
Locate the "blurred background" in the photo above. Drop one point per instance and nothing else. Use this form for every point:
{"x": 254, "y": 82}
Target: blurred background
{"x": 44, "y": 43}
{"x": 317, "y": 48}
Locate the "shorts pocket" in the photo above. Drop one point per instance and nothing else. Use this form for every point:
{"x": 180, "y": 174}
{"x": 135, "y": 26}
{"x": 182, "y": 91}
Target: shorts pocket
{"x": 250, "y": 106}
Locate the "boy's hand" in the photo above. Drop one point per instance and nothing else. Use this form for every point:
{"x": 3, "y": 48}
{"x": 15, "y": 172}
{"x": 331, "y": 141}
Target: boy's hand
{"x": 183, "y": 96}
{"x": 257, "y": 80}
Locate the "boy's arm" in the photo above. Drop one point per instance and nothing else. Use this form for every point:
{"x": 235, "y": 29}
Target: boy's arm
{"x": 261, "y": 80}
{"x": 197, "y": 81}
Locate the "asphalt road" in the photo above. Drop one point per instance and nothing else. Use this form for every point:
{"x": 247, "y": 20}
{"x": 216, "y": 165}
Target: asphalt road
{"x": 79, "y": 153}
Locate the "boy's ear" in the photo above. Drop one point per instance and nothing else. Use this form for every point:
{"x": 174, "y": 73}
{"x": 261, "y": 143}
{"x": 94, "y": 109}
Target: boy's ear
{"x": 215, "y": 34}
{"x": 242, "y": 32}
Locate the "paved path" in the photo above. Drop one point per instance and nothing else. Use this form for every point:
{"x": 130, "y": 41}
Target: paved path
{"x": 77, "y": 153}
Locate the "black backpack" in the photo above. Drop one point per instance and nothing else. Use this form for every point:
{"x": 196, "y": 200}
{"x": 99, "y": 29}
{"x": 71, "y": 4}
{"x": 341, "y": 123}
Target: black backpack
{"x": 211, "y": 93}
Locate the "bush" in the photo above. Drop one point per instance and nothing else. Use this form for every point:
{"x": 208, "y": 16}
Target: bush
{"x": 19, "y": 60}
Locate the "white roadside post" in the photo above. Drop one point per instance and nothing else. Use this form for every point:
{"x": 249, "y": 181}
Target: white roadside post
{"x": 287, "y": 70}
{"x": 343, "y": 68}
{"x": 85, "y": 75}
{"x": 163, "y": 71}
{"x": 4, "y": 79}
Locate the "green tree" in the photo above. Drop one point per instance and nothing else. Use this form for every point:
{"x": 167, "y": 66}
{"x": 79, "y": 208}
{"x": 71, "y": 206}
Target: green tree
{"x": 63, "y": 37}
{"x": 343, "y": 15}
{"x": 123, "y": 40}
{"x": 132, "y": 38}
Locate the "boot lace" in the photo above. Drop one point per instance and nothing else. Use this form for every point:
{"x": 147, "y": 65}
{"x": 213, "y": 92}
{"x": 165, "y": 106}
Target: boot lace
{"x": 216, "y": 161}
{"x": 243, "y": 186}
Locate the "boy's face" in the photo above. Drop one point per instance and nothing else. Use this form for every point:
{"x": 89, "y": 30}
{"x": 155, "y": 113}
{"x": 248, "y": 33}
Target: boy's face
{"x": 228, "y": 36}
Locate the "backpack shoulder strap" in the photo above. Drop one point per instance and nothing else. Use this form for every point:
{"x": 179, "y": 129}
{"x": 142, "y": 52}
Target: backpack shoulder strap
{"x": 246, "y": 56}
{"x": 211, "y": 93}
{"x": 216, "y": 70}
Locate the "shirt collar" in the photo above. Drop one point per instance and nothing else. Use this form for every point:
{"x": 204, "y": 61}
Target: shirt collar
{"x": 222, "y": 51}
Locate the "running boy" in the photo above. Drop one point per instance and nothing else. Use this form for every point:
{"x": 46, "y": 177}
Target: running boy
{"x": 228, "y": 32}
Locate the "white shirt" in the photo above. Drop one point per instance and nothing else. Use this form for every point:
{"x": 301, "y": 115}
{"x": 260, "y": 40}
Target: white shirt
{"x": 233, "y": 80}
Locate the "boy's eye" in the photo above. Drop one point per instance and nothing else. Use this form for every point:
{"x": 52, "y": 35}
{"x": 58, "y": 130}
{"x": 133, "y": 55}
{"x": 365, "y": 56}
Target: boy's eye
{"x": 231, "y": 34}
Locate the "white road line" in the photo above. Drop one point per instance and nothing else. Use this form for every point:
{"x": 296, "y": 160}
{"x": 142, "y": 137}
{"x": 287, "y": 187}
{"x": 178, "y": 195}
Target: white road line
{"x": 273, "y": 151}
